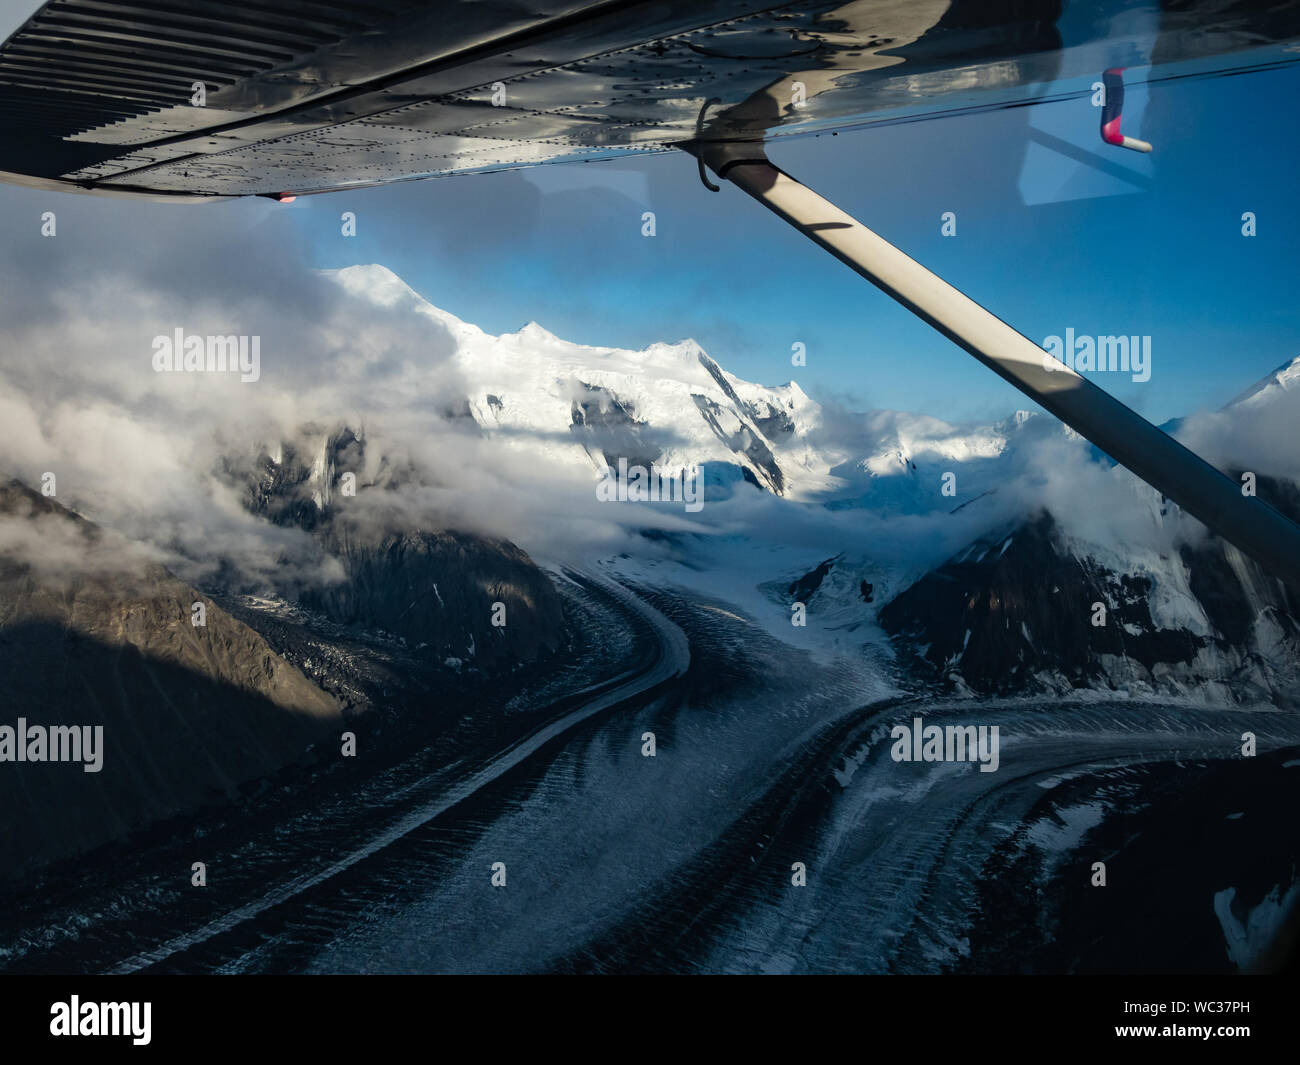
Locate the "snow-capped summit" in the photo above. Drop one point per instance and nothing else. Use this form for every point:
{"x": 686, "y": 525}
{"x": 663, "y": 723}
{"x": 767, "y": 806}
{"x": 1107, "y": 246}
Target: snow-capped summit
{"x": 380, "y": 286}
{"x": 673, "y": 405}
{"x": 1284, "y": 379}
{"x": 377, "y": 283}
{"x": 572, "y": 404}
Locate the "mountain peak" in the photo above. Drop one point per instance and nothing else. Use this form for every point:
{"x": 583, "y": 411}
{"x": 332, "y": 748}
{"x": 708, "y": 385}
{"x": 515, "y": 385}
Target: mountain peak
{"x": 536, "y": 333}
{"x": 382, "y": 287}
{"x": 373, "y": 280}
{"x": 1285, "y": 378}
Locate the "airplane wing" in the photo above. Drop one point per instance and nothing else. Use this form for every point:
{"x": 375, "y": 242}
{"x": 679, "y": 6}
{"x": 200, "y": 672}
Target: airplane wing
{"x": 238, "y": 97}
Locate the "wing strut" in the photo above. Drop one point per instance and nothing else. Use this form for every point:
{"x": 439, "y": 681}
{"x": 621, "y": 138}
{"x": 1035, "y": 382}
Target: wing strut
{"x": 1196, "y": 486}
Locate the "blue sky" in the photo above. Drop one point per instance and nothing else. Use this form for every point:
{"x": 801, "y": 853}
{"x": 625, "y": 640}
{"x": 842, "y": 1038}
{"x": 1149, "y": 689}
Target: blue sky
{"x": 1115, "y": 243}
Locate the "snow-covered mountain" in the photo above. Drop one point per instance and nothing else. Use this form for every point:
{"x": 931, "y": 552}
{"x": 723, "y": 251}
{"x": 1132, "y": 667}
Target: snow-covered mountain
{"x": 585, "y": 407}
{"x": 672, "y": 404}
{"x": 979, "y": 550}
{"x": 1282, "y": 382}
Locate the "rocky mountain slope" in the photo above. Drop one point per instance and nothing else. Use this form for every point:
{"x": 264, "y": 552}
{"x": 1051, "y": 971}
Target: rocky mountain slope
{"x": 1032, "y": 611}
{"x": 94, "y": 634}
{"x": 436, "y": 588}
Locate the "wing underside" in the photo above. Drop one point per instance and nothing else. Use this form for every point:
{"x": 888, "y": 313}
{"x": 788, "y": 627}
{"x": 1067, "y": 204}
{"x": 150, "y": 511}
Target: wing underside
{"x": 219, "y": 98}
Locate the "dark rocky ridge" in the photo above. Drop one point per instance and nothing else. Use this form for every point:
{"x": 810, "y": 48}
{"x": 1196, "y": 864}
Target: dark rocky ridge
{"x": 606, "y": 425}
{"x": 806, "y": 586}
{"x": 189, "y": 713}
{"x": 751, "y": 445}
{"x": 433, "y": 588}
{"x": 437, "y": 589}
{"x": 1014, "y": 614}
